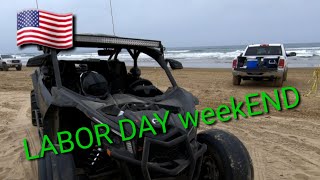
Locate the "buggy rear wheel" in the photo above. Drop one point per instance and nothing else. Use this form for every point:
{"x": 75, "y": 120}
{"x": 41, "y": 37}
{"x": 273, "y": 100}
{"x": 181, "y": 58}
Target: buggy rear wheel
{"x": 226, "y": 157}
{"x": 236, "y": 80}
{"x": 34, "y": 107}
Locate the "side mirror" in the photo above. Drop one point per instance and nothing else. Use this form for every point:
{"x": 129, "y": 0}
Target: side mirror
{"x": 38, "y": 61}
{"x": 292, "y": 54}
{"x": 174, "y": 64}
{"x": 106, "y": 52}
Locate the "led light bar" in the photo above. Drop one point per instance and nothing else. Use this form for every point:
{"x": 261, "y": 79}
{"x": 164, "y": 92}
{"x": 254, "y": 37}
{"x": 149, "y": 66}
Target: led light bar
{"x": 114, "y": 40}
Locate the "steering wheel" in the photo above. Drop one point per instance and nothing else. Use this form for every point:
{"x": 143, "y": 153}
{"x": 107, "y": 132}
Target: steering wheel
{"x": 140, "y": 82}
{"x": 144, "y": 88}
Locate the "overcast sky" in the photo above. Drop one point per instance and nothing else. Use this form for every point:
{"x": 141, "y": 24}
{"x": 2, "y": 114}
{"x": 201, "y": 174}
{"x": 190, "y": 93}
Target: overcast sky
{"x": 181, "y": 23}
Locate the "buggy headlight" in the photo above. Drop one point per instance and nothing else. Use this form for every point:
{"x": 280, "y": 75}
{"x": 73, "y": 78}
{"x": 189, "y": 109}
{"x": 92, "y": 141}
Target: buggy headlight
{"x": 129, "y": 146}
{"x": 115, "y": 136}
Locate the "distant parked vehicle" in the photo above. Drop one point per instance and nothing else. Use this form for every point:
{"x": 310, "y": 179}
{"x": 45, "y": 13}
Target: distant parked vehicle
{"x": 8, "y": 61}
{"x": 262, "y": 62}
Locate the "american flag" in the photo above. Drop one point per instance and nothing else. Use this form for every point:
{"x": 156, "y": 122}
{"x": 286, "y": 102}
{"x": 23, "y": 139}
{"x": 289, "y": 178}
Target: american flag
{"x": 45, "y": 28}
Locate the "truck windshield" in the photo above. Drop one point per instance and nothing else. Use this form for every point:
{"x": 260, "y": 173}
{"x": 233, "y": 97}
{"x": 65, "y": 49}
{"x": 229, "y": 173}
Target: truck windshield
{"x": 264, "y": 51}
{"x": 6, "y": 56}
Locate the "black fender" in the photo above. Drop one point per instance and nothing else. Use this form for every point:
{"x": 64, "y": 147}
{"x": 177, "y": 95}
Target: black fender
{"x": 56, "y": 167}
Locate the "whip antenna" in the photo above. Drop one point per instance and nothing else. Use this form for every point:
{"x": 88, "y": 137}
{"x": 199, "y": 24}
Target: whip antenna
{"x": 112, "y": 17}
{"x": 37, "y": 4}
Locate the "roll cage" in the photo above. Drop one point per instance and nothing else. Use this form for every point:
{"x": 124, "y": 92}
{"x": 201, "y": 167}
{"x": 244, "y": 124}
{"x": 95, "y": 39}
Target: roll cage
{"x": 135, "y": 47}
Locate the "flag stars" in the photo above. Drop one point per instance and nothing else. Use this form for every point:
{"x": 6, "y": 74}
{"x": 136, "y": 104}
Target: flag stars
{"x": 29, "y": 18}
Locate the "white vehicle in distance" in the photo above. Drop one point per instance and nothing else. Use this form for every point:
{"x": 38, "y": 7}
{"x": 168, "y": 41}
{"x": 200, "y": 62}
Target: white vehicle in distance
{"x": 8, "y": 61}
{"x": 262, "y": 62}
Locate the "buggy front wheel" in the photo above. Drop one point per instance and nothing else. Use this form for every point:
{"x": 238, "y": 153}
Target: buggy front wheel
{"x": 226, "y": 157}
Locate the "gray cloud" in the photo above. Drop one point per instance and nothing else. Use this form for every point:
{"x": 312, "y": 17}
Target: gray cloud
{"x": 182, "y": 22}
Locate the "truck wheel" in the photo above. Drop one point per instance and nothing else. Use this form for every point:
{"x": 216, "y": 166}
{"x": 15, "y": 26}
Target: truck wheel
{"x": 278, "y": 82}
{"x": 5, "y": 67}
{"x": 226, "y": 157}
{"x": 236, "y": 80}
{"x": 285, "y": 76}
{"x": 19, "y": 68}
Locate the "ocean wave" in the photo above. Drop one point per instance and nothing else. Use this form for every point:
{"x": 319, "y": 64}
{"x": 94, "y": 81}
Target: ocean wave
{"x": 198, "y": 56}
{"x": 304, "y": 48}
{"x": 305, "y": 52}
{"x": 178, "y": 51}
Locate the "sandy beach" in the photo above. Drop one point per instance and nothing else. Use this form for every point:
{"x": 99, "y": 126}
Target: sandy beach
{"x": 283, "y": 145}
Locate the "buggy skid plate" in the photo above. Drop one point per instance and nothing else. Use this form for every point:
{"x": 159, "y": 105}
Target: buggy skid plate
{"x": 193, "y": 160}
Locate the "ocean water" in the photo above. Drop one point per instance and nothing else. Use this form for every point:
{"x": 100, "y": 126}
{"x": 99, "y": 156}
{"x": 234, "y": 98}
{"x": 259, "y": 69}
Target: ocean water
{"x": 308, "y": 55}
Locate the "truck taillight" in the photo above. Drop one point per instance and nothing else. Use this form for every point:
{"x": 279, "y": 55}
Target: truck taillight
{"x": 234, "y": 63}
{"x": 281, "y": 63}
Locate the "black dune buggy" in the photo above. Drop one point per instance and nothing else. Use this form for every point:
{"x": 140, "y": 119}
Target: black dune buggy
{"x": 70, "y": 94}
